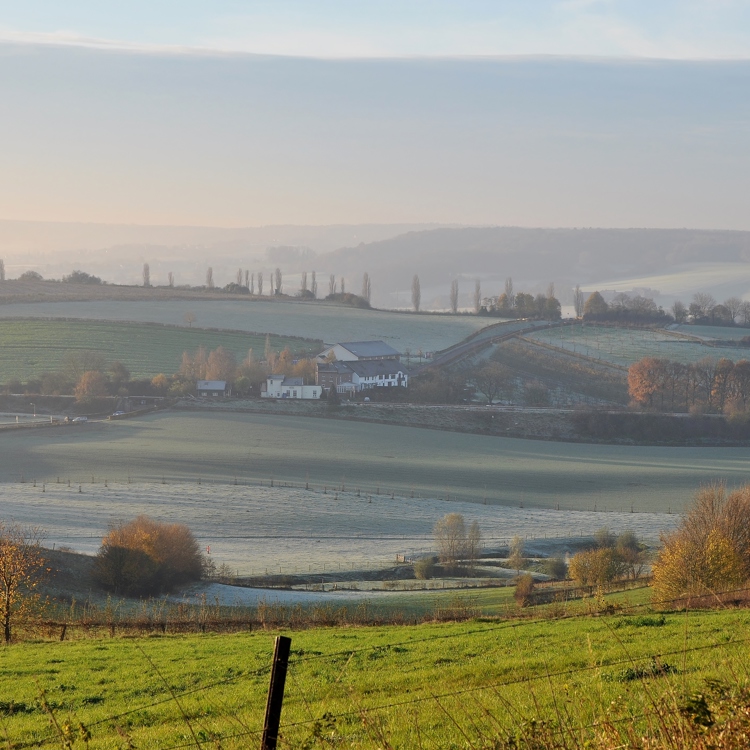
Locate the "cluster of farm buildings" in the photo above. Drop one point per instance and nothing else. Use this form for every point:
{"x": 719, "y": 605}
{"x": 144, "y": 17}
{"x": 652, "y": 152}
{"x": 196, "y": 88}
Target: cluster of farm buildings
{"x": 349, "y": 368}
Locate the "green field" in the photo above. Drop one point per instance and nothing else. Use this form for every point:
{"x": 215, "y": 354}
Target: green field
{"x": 623, "y": 346}
{"x": 329, "y": 322}
{"x": 32, "y": 347}
{"x": 183, "y": 446}
{"x": 453, "y": 685}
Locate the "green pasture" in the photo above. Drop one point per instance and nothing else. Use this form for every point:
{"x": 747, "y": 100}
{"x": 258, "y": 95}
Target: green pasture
{"x": 29, "y": 348}
{"x": 314, "y": 320}
{"x": 623, "y": 346}
{"x": 219, "y": 447}
{"x": 433, "y": 685}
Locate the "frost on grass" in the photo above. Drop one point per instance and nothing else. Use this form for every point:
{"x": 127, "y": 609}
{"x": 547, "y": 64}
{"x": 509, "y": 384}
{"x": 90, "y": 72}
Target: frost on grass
{"x": 255, "y": 529}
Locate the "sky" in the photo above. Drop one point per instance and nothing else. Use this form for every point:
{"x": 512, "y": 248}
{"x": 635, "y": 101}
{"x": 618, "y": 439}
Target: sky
{"x": 673, "y": 29}
{"x": 544, "y": 113}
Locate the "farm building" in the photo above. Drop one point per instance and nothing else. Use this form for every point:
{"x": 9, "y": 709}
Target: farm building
{"x": 279, "y": 386}
{"x": 213, "y": 388}
{"x": 358, "y": 351}
{"x": 360, "y": 375}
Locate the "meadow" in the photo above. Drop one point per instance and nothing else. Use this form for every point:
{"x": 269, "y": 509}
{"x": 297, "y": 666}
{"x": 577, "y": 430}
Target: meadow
{"x": 376, "y": 458}
{"x": 32, "y": 347}
{"x": 319, "y": 320}
{"x": 466, "y": 684}
{"x": 623, "y": 346}
{"x": 716, "y": 333}
{"x": 258, "y": 530}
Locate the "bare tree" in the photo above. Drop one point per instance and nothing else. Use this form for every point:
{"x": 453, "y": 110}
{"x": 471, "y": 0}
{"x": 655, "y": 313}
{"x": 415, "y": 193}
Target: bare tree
{"x": 252, "y": 284}
{"x": 22, "y": 565}
{"x": 416, "y": 293}
{"x": 209, "y": 278}
{"x": 477, "y": 296}
{"x": 303, "y": 282}
{"x": 515, "y": 556}
{"x": 450, "y": 536}
{"x": 578, "y": 301}
{"x": 314, "y": 285}
{"x": 170, "y": 279}
{"x": 2, "y": 270}
{"x": 366, "y": 291}
{"x": 343, "y": 285}
{"x": 473, "y": 543}
{"x": 277, "y": 274}
{"x": 239, "y": 277}
{"x": 146, "y": 275}
{"x": 679, "y": 311}
{"x": 551, "y": 290}
{"x": 491, "y": 379}
{"x": 734, "y": 305}
{"x": 189, "y": 318}
{"x": 454, "y": 296}
{"x": 247, "y": 279}
{"x": 705, "y": 303}
{"x": 331, "y": 284}
{"x": 509, "y": 291}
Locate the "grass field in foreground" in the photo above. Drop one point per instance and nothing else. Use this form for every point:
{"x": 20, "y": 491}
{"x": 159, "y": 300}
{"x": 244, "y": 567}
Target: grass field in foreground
{"x": 187, "y": 446}
{"x": 32, "y": 347}
{"x": 453, "y": 685}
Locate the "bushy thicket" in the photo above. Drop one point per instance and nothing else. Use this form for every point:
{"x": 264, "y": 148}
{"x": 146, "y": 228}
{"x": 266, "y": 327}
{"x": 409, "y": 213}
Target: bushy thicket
{"x": 146, "y": 557}
{"x": 710, "y": 551}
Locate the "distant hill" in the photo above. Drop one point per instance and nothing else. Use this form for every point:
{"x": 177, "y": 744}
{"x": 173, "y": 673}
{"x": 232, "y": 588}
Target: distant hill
{"x": 116, "y": 252}
{"x": 671, "y": 258}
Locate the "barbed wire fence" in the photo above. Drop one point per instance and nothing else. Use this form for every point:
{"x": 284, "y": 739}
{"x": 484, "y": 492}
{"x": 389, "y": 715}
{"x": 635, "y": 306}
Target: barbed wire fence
{"x": 323, "y": 699}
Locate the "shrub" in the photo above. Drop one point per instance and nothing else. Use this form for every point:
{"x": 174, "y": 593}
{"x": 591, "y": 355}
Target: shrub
{"x": 146, "y": 556}
{"x": 710, "y": 550}
{"x": 425, "y": 568}
{"x": 524, "y": 590}
{"x": 556, "y": 568}
{"x": 595, "y": 567}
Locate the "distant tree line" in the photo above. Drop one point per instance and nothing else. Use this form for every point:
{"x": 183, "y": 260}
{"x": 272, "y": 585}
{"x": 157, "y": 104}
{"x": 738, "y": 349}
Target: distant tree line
{"x": 638, "y": 309}
{"x": 512, "y": 304}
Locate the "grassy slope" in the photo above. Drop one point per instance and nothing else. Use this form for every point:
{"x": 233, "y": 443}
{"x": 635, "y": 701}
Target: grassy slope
{"x": 455, "y": 682}
{"x": 31, "y": 347}
{"x": 314, "y": 320}
{"x": 185, "y": 446}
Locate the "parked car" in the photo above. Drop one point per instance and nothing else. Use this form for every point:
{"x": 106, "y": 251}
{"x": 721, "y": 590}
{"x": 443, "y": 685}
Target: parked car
{"x": 80, "y": 419}
{"x": 117, "y": 413}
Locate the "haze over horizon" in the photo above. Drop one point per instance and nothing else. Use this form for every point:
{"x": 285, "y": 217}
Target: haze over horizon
{"x": 583, "y": 113}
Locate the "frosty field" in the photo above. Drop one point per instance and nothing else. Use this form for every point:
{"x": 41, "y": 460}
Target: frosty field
{"x": 189, "y": 447}
{"x": 623, "y": 346}
{"x": 283, "y": 530}
{"x": 307, "y": 320}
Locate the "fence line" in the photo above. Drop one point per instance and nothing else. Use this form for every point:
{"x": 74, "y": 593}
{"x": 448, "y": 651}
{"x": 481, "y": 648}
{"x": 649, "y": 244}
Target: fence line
{"x": 494, "y": 685}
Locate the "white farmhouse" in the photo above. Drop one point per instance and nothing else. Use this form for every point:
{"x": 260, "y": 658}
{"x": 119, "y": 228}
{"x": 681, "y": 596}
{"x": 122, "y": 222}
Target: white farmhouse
{"x": 279, "y": 386}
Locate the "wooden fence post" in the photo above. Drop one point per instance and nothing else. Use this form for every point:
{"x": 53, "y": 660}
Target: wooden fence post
{"x": 276, "y": 692}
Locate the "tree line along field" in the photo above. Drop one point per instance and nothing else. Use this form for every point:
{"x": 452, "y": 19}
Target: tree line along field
{"x": 32, "y": 347}
{"x": 186, "y": 446}
{"x": 431, "y": 685}
{"x": 311, "y": 320}
{"x": 624, "y": 346}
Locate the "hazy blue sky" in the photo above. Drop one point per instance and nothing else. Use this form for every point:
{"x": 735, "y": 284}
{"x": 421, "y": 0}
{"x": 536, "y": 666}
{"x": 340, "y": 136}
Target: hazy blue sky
{"x": 655, "y": 28}
{"x": 219, "y": 113}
